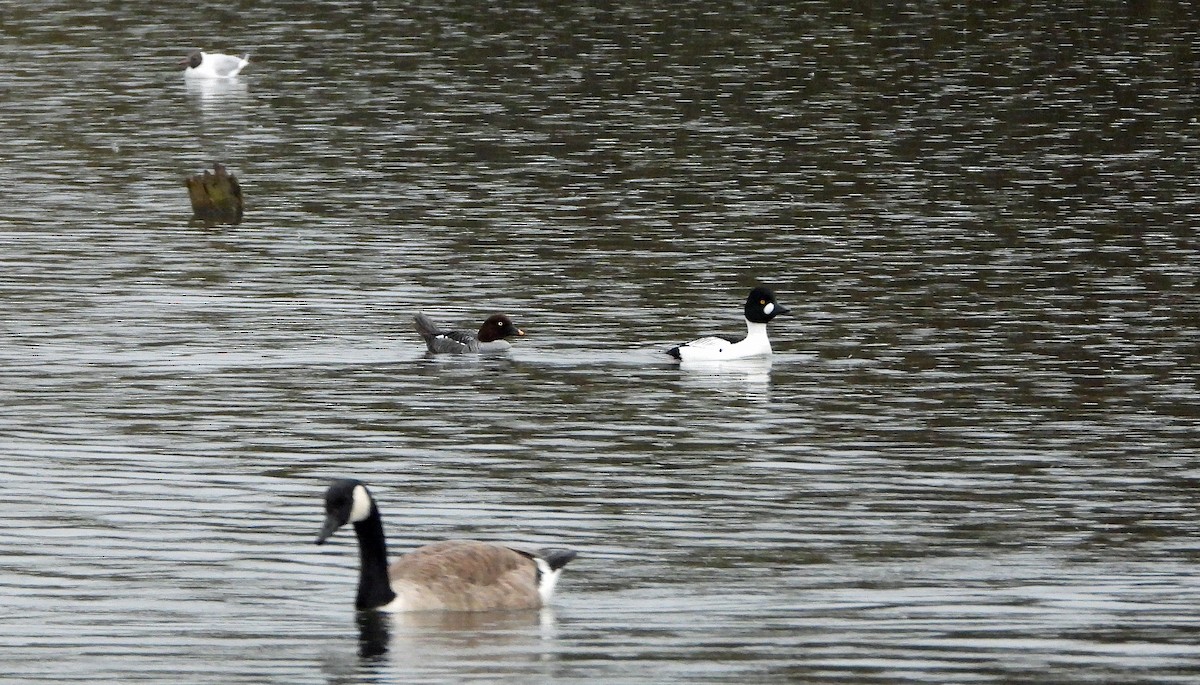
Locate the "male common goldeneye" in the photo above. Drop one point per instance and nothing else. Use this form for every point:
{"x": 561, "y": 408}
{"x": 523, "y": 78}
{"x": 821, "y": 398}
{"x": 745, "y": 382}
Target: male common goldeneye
{"x": 490, "y": 338}
{"x": 212, "y": 65}
{"x": 761, "y": 307}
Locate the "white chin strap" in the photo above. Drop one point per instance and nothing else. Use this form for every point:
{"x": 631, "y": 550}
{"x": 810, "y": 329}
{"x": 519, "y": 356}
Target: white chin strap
{"x": 362, "y": 505}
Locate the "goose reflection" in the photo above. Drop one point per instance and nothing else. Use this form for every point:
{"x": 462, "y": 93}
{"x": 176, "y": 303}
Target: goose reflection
{"x": 373, "y": 634}
{"x": 433, "y": 639}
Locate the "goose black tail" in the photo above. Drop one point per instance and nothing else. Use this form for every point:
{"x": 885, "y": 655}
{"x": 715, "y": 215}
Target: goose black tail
{"x": 557, "y": 558}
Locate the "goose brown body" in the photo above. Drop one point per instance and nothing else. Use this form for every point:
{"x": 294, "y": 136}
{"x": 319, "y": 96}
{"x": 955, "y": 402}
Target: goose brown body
{"x": 464, "y": 575}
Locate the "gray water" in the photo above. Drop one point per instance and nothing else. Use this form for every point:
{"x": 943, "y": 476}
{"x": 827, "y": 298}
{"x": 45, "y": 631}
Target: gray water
{"x": 973, "y": 457}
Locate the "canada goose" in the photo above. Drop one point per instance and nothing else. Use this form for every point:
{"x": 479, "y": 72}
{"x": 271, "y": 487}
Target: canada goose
{"x": 456, "y": 575}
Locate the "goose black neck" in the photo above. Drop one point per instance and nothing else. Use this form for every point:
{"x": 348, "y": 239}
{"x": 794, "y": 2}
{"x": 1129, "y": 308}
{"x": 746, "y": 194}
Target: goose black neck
{"x": 374, "y": 587}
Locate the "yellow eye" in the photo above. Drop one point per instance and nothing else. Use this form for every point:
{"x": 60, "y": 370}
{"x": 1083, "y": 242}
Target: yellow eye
{"x": 762, "y": 301}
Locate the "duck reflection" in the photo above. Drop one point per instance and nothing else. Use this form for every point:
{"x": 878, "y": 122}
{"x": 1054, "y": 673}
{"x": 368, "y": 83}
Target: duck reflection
{"x": 750, "y": 377}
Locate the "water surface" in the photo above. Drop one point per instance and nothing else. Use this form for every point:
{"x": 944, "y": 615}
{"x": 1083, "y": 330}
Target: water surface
{"x": 971, "y": 459}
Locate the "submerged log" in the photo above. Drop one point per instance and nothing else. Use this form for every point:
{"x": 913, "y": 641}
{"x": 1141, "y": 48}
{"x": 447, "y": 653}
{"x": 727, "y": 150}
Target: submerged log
{"x": 216, "y": 196}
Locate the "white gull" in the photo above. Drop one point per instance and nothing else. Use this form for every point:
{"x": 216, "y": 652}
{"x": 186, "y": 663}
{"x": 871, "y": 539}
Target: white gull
{"x": 213, "y": 65}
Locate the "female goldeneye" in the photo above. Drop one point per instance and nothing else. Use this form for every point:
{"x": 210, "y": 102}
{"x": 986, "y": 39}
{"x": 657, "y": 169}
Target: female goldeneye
{"x": 489, "y": 339}
{"x": 212, "y": 65}
{"x": 761, "y": 307}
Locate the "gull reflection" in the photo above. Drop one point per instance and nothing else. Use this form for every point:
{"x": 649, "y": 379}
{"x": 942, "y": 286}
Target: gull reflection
{"x": 223, "y": 99}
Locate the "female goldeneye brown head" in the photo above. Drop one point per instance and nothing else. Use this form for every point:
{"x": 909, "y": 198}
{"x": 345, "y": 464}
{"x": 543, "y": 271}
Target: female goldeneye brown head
{"x": 498, "y": 327}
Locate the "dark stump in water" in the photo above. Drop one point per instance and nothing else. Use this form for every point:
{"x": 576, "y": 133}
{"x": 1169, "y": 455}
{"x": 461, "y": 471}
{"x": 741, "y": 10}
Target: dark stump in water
{"x": 216, "y": 196}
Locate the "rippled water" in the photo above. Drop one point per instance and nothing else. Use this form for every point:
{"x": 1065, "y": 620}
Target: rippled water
{"x": 972, "y": 459}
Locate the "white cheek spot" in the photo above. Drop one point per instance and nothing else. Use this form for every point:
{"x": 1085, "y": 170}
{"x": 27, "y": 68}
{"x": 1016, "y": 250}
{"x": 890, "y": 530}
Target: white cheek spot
{"x": 361, "y": 508}
{"x": 769, "y": 308}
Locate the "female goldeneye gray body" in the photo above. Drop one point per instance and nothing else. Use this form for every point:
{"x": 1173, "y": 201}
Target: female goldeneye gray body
{"x": 761, "y": 307}
{"x": 489, "y": 339}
